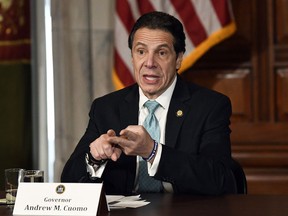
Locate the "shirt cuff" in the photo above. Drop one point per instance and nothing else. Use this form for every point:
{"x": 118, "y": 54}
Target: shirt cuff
{"x": 152, "y": 168}
{"x": 95, "y": 171}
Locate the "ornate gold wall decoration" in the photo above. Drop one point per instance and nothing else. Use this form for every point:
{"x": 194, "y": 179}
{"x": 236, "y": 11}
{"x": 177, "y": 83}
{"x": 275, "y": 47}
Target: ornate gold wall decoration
{"x": 14, "y": 31}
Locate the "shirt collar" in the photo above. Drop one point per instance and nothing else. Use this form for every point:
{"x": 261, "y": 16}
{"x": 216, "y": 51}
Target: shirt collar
{"x": 163, "y": 99}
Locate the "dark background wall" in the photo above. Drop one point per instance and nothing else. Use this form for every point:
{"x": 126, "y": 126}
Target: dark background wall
{"x": 252, "y": 69}
{"x": 15, "y": 86}
{"x": 15, "y": 118}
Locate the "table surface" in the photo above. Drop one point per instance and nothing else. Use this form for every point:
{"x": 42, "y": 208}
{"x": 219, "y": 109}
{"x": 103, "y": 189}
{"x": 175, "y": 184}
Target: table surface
{"x": 228, "y": 205}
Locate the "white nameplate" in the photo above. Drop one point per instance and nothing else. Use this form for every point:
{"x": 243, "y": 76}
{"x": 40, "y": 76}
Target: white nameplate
{"x": 60, "y": 199}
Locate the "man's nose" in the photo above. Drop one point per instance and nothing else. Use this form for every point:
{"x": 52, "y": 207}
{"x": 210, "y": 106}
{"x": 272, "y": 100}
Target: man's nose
{"x": 150, "y": 61}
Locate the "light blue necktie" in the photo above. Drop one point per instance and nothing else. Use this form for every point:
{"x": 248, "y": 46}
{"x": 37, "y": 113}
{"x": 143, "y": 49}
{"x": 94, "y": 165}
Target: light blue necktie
{"x": 148, "y": 184}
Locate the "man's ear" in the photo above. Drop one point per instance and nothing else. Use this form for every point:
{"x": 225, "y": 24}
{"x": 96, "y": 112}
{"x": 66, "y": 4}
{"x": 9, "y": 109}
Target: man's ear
{"x": 132, "y": 60}
{"x": 179, "y": 60}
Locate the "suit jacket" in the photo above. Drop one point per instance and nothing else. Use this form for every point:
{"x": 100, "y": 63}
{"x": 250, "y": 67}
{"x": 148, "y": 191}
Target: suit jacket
{"x": 196, "y": 157}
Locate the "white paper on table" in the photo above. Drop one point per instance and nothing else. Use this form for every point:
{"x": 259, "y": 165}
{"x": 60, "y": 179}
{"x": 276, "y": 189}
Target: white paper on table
{"x": 118, "y": 201}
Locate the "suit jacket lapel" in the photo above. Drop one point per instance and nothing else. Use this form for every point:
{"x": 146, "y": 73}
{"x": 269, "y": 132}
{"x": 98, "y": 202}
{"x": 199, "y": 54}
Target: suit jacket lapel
{"x": 129, "y": 108}
{"x": 176, "y": 112}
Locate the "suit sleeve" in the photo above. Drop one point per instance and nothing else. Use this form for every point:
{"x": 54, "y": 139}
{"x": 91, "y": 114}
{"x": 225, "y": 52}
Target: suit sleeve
{"x": 75, "y": 168}
{"x": 199, "y": 163}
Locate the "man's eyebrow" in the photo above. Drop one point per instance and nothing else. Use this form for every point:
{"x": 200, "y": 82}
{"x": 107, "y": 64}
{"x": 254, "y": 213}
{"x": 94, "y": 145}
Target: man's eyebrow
{"x": 140, "y": 43}
{"x": 159, "y": 46}
{"x": 164, "y": 45}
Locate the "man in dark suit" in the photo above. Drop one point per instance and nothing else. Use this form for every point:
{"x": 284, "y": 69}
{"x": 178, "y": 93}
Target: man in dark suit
{"x": 193, "y": 153}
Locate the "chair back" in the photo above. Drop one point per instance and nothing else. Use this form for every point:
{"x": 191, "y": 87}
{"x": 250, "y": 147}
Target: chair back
{"x": 239, "y": 177}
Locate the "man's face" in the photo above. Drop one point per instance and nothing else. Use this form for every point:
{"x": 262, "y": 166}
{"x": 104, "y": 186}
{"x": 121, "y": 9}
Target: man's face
{"x": 154, "y": 61}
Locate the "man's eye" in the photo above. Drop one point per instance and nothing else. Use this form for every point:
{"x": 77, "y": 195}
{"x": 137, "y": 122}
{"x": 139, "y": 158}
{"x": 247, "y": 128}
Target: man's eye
{"x": 141, "y": 52}
{"x": 162, "y": 53}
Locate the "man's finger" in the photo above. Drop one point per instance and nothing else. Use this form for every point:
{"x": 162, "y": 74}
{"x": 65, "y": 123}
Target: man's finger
{"x": 116, "y": 154}
{"x": 111, "y": 132}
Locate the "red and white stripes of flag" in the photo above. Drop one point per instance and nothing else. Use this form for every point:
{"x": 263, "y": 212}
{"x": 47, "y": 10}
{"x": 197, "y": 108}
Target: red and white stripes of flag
{"x": 206, "y": 23}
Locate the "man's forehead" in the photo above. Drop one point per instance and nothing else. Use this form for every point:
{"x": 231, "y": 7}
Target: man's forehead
{"x": 152, "y": 31}
{"x": 157, "y": 37}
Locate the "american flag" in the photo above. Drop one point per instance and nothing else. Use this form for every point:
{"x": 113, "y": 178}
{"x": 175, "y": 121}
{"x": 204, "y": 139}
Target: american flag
{"x": 206, "y": 23}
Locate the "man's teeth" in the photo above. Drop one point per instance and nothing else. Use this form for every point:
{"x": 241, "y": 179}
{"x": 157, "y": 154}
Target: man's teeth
{"x": 150, "y": 77}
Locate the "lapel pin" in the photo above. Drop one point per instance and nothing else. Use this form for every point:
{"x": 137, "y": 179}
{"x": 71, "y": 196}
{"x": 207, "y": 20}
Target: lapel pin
{"x": 179, "y": 113}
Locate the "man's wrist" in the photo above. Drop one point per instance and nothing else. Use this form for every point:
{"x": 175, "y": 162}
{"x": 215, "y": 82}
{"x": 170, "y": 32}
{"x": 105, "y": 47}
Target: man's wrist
{"x": 94, "y": 167}
{"x": 92, "y": 161}
{"x": 153, "y": 152}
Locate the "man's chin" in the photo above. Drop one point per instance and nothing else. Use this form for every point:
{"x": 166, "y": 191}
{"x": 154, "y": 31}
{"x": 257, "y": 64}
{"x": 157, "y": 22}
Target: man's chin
{"x": 151, "y": 93}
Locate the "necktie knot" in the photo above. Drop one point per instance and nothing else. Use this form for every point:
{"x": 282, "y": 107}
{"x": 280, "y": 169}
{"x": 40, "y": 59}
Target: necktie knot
{"x": 151, "y": 106}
